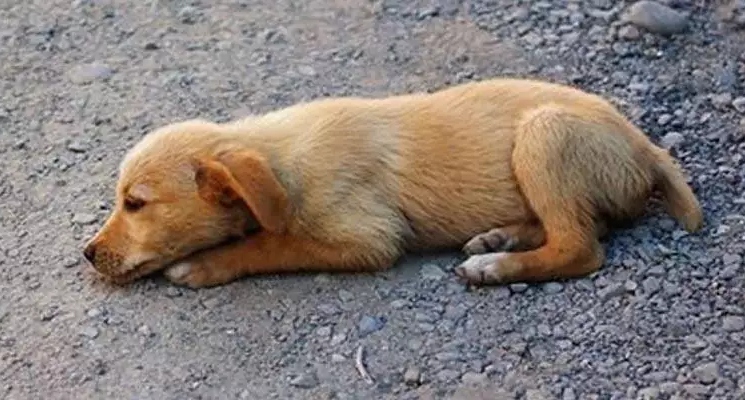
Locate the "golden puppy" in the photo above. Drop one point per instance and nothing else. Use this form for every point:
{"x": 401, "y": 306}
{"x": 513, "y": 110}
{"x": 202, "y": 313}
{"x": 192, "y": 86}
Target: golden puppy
{"x": 526, "y": 176}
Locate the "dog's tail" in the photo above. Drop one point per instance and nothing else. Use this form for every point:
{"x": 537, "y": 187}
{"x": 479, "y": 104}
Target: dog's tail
{"x": 677, "y": 195}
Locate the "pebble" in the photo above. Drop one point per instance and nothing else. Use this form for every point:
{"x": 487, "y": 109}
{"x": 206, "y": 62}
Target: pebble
{"x": 368, "y": 325}
{"x": 553, "y": 287}
{"x": 535, "y": 394}
{"x": 672, "y": 140}
{"x": 629, "y": 32}
{"x": 518, "y": 287}
{"x": 739, "y": 104}
{"x": 501, "y": 292}
{"x": 412, "y": 376}
{"x": 307, "y": 70}
{"x": 306, "y": 380}
{"x": 188, "y": 15}
{"x": 94, "y": 313}
{"x": 650, "y": 393}
{"x": 473, "y": 378}
{"x": 338, "y": 358}
{"x": 706, "y": 373}
{"x": 651, "y": 285}
{"x": 721, "y": 100}
{"x": 611, "y": 291}
{"x": 91, "y": 332}
{"x": 733, "y": 323}
{"x": 447, "y": 375}
{"x": 338, "y": 339}
{"x": 432, "y": 272}
{"x": 87, "y": 73}
{"x": 657, "y": 18}
{"x": 324, "y": 331}
{"x": 77, "y": 147}
{"x": 568, "y": 394}
{"x": 84, "y": 218}
{"x": 145, "y": 331}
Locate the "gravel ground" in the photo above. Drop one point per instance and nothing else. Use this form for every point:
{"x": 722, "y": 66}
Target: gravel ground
{"x": 82, "y": 80}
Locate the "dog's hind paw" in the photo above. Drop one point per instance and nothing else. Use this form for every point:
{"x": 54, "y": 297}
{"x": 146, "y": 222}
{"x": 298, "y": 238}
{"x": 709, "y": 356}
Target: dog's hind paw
{"x": 481, "y": 269}
{"x": 180, "y": 273}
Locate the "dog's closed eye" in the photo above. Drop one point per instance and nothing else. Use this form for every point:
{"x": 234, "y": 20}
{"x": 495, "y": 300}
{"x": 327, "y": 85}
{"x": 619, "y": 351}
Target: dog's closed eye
{"x": 132, "y": 204}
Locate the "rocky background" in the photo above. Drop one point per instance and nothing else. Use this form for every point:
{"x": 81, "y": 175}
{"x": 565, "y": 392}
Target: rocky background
{"x": 81, "y": 81}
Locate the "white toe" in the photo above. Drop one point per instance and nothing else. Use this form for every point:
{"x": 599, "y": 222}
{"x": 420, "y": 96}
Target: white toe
{"x": 178, "y": 271}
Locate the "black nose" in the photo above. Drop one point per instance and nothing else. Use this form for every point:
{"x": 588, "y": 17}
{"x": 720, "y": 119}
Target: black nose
{"x": 90, "y": 252}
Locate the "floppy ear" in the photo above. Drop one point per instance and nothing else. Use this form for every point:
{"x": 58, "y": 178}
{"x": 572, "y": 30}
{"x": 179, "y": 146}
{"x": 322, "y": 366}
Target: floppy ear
{"x": 245, "y": 176}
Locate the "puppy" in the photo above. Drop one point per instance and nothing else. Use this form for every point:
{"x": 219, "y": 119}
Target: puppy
{"x": 525, "y": 176}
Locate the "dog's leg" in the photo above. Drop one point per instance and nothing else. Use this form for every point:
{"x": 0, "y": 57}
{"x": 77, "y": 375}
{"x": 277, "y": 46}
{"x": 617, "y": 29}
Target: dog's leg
{"x": 568, "y": 169}
{"x": 518, "y": 237}
{"x": 265, "y": 253}
{"x": 508, "y": 238}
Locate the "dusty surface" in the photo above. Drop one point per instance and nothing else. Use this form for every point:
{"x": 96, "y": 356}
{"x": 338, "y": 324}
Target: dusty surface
{"x": 81, "y": 81}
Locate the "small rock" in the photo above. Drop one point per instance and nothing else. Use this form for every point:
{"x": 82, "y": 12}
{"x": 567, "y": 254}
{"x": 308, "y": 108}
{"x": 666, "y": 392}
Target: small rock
{"x": 307, "y": 380}
{"x": 611, "y": 291}
{"x": 629, "y": 32}
{"x": 412, "y": 376}
{"x": 553, "y": 287}
{"x": 172, "y": 291}
{"x": 536, "y": 394}
{"x": 324, "y": 331}
{"x": 307, "y": 70}
{"x": 77, "y": 147}
{"x": 345, "y": 295}
{"x": 739, "y": 104}
{"x": 473, "y": 378}
{"x": 657, "y": 18}
{"x": 145, "y": 331}
{"x": 94, "y": 313}
{"x": 88, "y": 73}
{"x": 188, "y": 15}
{"x": 338, "y": 358}
{"x": 368, "y": 325}
{"x": 630, "y": 286}
{"x": 651, "y": 285}
{"x": 338, "y": 339}
{"x": 721, "y": 100}
{"x": 568, "y": 394}
{"x": 447, "y": 375}
{"x": 706, "y": 373}
{"x": 91, "y": 332}
{"x": 695, "y": 389}
{"x": 501, "y": 293}
{"x": 518, "y": 287}
{"x": 672, "y": 140}
{"x": 650, "y": 393}
{"x": 733, "y": 323}
{"x": 69, "y": 262}
{"x": 84, "y": 218}
{"x": 432, "y": 272}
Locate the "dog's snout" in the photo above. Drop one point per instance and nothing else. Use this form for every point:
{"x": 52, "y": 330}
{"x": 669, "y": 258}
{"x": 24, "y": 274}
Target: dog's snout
{"x": 90, "y": 252}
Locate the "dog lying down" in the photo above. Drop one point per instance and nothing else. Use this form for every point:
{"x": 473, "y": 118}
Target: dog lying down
{"x": 525, "y": 176}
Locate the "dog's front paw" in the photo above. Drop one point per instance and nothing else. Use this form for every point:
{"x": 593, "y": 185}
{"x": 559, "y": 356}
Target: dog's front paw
{"x": 187, "y": 273}
{"x": 491, "y": 241}
{"x": 482, "y": 269}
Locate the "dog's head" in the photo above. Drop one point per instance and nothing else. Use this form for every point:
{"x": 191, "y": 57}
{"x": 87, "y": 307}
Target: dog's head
{"x": 181, "y": 189}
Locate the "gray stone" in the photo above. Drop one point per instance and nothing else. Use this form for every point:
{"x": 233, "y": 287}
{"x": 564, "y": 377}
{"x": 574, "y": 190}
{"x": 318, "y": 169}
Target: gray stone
{"x": 84, "y": 218}
{"x": 650, "y": 393}
{"x": 368, "y": 325}
{"x": 553, "y": 287}
{"x": 611, "y": 291}
{"x": 91, "y": 332}
{"x": 77, "y": 146}
{"x": 88, "y": 73}
{"x": 473, "y": 378}
{"x": 739, "y": 104}
{"x": 707, "y": 373}
{"x": 733, "y": 323}
{"x": 518, "y": 287}
{"x": 672, "y": 140}
{"x": 657, "y": 18}
{"x": 306, "y": 380}
{"x": 432, "y": 272}
{"x": 412, "y": 376}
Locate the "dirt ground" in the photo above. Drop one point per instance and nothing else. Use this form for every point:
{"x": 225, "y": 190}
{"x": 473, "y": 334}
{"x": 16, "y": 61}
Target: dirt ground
{"x": 81, "y": 81}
